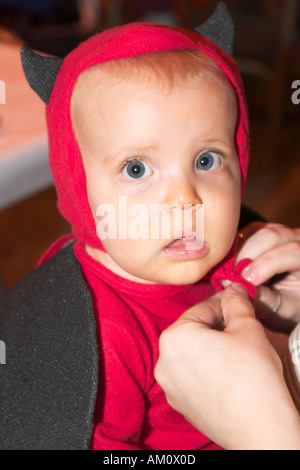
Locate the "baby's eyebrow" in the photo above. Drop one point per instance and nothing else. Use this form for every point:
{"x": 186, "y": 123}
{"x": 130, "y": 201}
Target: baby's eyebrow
{"x": 119, "y": 154}
{"x": 127, "y": 151}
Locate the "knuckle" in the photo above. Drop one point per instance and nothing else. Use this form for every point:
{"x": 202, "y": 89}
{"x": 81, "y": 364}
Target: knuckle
{"x": 294, "y": 247}
{"x": 167, "y": 342}
{"x": 242, "y": 303}
{"x": 238, "y": 299}
{"x": 163, "y": 340}
{"x": 267, "y": 261}
{"x": 160, "y": 377}
{"x": 272, "y": 232}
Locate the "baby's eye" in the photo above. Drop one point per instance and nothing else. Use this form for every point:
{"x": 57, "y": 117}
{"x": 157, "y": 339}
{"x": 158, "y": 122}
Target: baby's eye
{"x": 136, "y": 169}
{"x": 208, "y": 161}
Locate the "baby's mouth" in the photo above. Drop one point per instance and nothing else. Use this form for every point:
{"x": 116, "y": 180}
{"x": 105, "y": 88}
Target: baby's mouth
{"x": 187, "y": 242}
{"x": 186, "y": 247}
{"x": 193, "y": 243}
{"x": 186, "y": 238}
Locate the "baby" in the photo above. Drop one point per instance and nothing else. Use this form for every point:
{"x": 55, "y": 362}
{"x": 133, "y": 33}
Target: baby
{"x": 147, "y": 131}
{"x": 158, "y": 130}
{"x": 156, "y": 116}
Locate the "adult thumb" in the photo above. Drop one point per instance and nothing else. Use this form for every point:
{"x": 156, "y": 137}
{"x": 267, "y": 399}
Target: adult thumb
{"x": 237, "y": 307}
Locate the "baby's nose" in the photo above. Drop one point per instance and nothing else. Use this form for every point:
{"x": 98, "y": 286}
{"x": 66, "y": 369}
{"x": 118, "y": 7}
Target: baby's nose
{"x": 182, "y": 194}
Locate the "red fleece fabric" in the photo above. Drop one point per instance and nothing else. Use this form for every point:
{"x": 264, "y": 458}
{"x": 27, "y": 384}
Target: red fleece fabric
{"x": 131, "y": 411}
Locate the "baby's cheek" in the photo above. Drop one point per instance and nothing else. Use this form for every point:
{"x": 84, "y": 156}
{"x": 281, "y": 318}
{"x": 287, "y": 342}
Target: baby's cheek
{"x": 220, "y": 229}
{"x": 124, "y": 252}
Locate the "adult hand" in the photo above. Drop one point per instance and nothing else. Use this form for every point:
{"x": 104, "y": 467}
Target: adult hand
{"x": 218, "y": 369}
{"x": 275, "y": 251}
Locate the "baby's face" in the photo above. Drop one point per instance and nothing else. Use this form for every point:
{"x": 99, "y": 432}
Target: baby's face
{"x": 173, "y": 151}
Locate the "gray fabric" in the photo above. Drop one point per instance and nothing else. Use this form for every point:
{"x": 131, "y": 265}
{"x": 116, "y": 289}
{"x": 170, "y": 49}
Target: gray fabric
{"x": 220, "y": 28}
{"x": 48, "y": 385}
{"x": 40, "y": 71}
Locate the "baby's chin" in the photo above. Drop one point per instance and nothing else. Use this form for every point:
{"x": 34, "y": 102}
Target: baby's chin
{"x": 186, "y": 273}
{"x": 189, "y": 276}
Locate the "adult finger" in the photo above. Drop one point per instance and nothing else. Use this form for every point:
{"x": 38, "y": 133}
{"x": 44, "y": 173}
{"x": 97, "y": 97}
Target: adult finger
{"x": 276, "y": 310}
{"x": 237, "y": 308}
{"x": 258, "y": 238}
{"x": 232, "y": 304}
{"x": 206, "y": 314}
{"x": 281, "y": 259}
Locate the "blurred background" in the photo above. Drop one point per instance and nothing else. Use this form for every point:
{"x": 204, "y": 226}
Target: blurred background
{"x": 268, "y": 54}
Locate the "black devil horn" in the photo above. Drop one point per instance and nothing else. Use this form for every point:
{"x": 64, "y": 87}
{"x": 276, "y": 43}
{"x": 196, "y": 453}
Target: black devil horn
{"x": 220, "y": 28}
{"x": 40, "y": 71}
